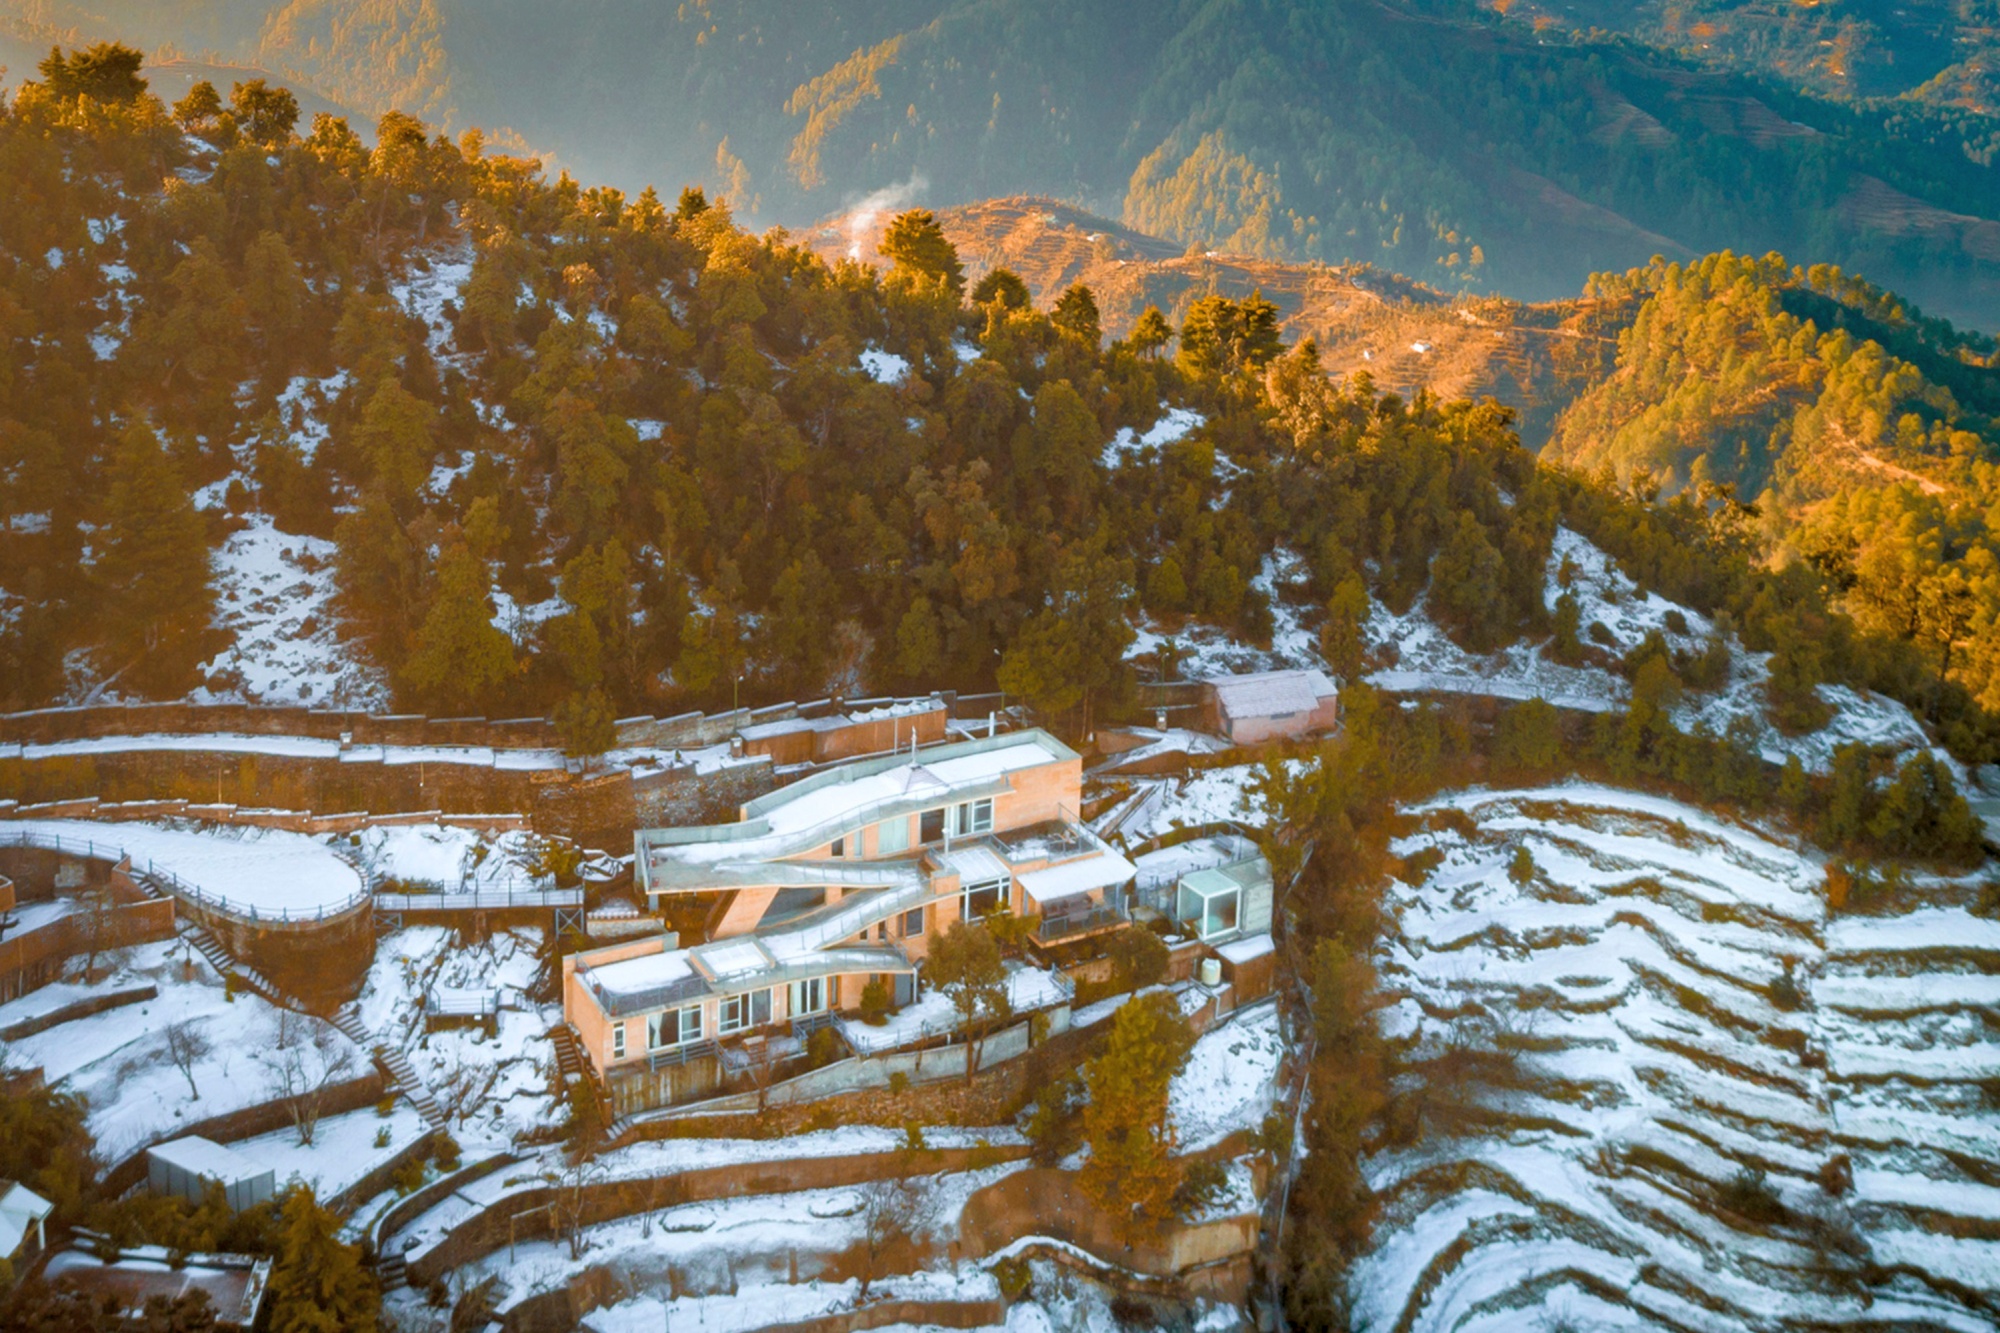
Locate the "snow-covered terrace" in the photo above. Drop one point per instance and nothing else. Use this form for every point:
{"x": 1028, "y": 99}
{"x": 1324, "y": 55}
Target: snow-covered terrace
{"x": 253, "y": 872}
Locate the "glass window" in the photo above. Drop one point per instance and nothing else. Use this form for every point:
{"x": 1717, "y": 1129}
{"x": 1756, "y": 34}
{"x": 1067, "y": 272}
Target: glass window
{"x": 673, "y": 1027}
{"x": 975, "y": 817}
{"x": 930, "y": 826}
{"x": 618, "y": 1041}
{"x": 1221, "y": 914}
{"x": 744, "y": 1011}
{"x": 808, "y": 997}
{"x": 983, "y": 899}
{"x": 913, "y": 923}
{"x": 892, "y": 835}
{"x": 839, "y": 847}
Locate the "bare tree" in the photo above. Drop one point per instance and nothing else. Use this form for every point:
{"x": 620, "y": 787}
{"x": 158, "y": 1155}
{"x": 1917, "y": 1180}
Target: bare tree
{"x": 895, "y": 1212}
{"x": 187, "y": 1046}
{"x": 569, "y": 1188}
{"x": 96, "y": 924}
{"x": 306, "y": 1058}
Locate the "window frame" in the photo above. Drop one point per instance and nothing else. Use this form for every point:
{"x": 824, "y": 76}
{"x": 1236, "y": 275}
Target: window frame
{"x": 924, "y": 819}
{"x": 656, "y": 1025}
{"x": 899, "y": 842}
{"x": 798, "y": 990}
{"x": 998, "y": 888}
{"x": 918, "y": 933}
{"x": 744, "y": 1005}
{"x": 972, "y": 818}
{"x": 618, "y": 1040}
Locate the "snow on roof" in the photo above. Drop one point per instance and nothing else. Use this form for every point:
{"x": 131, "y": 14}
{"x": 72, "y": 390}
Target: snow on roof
{"x": 20, "y": 1209}
{"x": 728, "y": 958}
{"x": 1209, "y": 883}
{"x": 631, "y": 976}
{"x": 1249, "y": 947}
{"x": 1102, "y": 870}
{"x": 207, "y": 1158}
{"x": 975, "y": 865}
{"x": 1272, "y": 693}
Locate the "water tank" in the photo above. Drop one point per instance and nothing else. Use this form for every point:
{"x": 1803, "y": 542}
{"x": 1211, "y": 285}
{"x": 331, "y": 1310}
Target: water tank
{"x": 1211, "y": 971}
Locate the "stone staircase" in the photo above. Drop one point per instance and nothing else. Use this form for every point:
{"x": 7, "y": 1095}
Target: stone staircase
{"x": 348, "y": 1020}
{"x": 394, "y": 1063}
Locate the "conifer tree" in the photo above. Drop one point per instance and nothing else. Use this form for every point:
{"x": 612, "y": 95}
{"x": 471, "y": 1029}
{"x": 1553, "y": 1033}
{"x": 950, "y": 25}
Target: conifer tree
{"x": 1131, "y": 1173}
{"x": 965, "y": 964}
{"x": 318, "y": 1284}
{"x": 1151, "y": 332}
{"x": 153, "y": 573}
{"x": 1003, "y": 285}
{"x": 1076, "y": 313}
{"x": 916, "y": 245}
{"x": 458, "y": 657}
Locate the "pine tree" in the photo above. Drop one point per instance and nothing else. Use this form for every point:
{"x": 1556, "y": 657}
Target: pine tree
{"x": 919, "y": 641}
{"x": 965, "y": 964}
{"x": 1003, "y": 285}
{"x": 1151, "y": 333}
{"x": 1076, "y": 313}
{"x": 318, "y": 1284}
{"x": 458, "y": 657}
{"x": 153, "y": 575}
{"x": 1131, "y": 1173}
{"x": 916, "y": 245}
{"x": 1342, "y": 641}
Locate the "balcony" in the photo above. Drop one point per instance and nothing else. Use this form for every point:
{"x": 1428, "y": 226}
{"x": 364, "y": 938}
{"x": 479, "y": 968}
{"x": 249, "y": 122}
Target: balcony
{"x": 1058, "y": 928}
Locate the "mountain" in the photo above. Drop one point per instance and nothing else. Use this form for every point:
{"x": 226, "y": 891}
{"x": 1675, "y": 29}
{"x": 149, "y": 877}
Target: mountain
{"x": 1405, "y": 335}
{"x": 1474, "y": 151}
{"x": 1944, "y": 52}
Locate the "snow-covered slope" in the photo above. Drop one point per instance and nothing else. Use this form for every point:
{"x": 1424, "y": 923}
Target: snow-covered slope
{"x": 1638, "y": 972}
{"x": 1617, "y": 616}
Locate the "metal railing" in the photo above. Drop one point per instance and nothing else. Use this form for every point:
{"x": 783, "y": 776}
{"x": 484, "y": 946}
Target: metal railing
{"x": 479, "y": 900}
{"x": 220, "y": 904}
{"x": 1051, "y": 929}
{"x": 461, "y": 1004}
{"x": 685, "y": 1053}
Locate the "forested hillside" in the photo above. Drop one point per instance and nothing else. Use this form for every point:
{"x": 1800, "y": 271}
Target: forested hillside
{"x": 1934, "y": 51}
{"x": 1864, "y": 432}
{"x": 1435, "y": 138}
{"x": 541, "y": 448}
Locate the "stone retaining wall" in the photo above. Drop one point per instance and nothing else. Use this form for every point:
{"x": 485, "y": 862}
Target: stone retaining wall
{"x": 606, "y": 1201}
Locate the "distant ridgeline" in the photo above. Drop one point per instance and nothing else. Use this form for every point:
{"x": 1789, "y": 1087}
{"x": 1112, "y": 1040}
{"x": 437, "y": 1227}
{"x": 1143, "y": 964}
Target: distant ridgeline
{"x": 1477, "y": 146}
{"x": 574, "y": 454}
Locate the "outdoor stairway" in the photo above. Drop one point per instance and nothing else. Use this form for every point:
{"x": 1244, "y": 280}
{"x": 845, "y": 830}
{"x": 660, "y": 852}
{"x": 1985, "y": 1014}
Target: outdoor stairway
{"x": 391, "y": 1272}
{"x": 392, "y": 1059}
{"x": 211, "y": 948}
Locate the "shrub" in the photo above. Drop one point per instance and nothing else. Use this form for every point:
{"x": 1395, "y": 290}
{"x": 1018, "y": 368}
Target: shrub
{"x": 1784, "y": 990}
{"x": 445, "y": 1152}
{"x": 1522, "y": 868}
{"x": 1138, "y": 959}
{"x": 409, "y": 1177}
{"x": 1752, "y": 1198}
{"x": 876, "y": 1001}
{"x": 382, "y": 1137}
{"x": 386, "y": 1107}
{"x": 1600, "y": 633}
{"x": 1014, "y": 1277}
{"x": 899, "y": 1083}
{"x": 1202, "y": 1183}
{"x": 822, "y": 1048}
{"x": 1676, "y": 622}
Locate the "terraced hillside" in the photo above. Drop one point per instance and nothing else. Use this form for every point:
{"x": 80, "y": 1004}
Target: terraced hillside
{"x": 1724, "y": 1108}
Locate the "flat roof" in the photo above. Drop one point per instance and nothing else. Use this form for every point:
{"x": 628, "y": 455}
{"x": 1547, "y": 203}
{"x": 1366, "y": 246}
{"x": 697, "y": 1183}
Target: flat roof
{"x": 205, "y": 1157}
{"x": 1100, "y": 870}
{"x": 1272, "y": 693}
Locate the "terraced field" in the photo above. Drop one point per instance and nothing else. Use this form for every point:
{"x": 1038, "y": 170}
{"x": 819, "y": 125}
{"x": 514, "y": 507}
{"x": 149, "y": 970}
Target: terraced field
{"x": 1715, "y": 1107}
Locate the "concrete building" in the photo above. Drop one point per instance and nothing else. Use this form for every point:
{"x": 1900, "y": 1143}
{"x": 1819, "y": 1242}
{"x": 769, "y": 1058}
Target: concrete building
{"x": 831, "y": 883}
{"x": 1274, "y": 705}
{"x": 185, "y": 1168}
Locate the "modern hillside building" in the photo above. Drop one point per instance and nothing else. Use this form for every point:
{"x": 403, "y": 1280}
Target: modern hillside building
{"x": 831, "y": 883}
